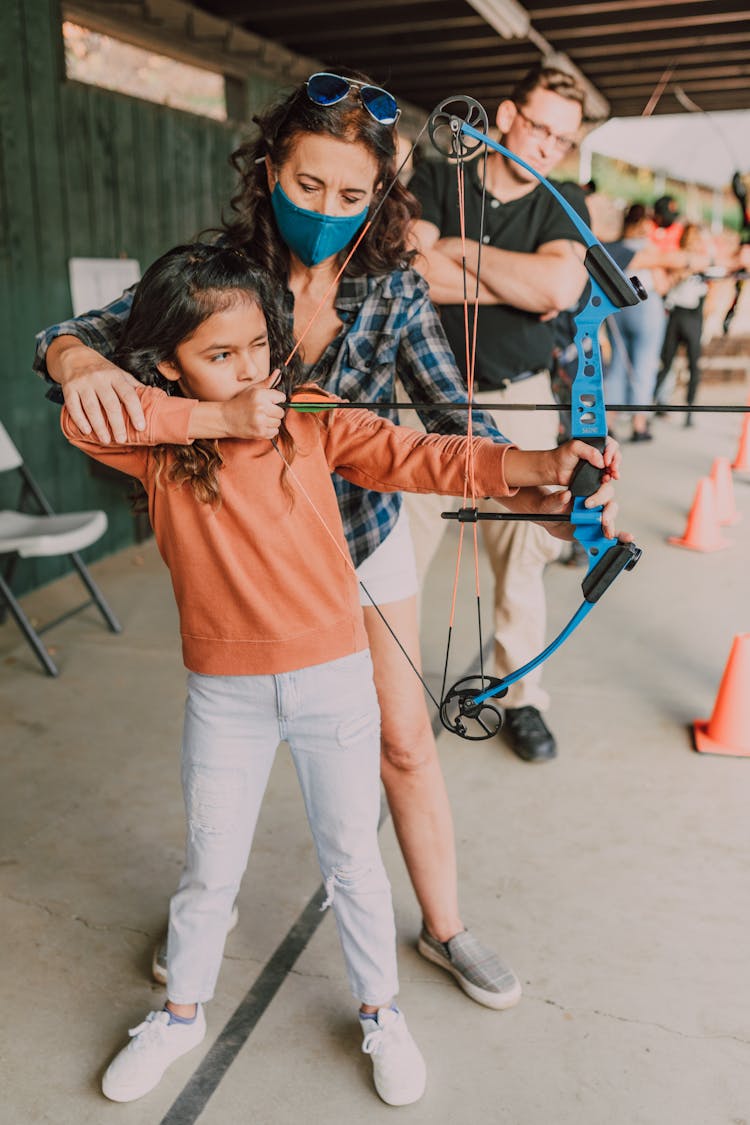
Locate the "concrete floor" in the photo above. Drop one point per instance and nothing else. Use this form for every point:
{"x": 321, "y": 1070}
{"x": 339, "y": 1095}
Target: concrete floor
{"x": 613, "y": 879}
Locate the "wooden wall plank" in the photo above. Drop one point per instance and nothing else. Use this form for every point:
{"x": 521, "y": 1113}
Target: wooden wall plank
{"x": 147, "y": 156}
{"x": 75, "y": 143}
{"x": 105, "y": 187}
{"x": 128, "y": 221}
{"x": 84, "y": 172}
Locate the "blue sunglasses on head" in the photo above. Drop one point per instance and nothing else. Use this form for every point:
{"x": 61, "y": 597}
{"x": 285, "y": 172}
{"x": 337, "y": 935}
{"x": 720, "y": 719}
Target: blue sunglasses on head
{"x": 328, "y": 89}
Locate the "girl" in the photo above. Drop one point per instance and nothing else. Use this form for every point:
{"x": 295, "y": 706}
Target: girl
{"x": 248, "y": 528}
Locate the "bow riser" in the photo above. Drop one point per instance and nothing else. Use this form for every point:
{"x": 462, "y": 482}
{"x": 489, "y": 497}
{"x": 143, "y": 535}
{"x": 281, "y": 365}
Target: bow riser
{"x": 588, "y": 412}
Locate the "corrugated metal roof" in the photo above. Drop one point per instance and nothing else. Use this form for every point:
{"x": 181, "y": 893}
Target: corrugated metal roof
{"x": 424, "y": 50}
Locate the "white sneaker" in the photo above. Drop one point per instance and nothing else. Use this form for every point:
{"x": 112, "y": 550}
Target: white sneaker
{"x": 159, "y": 958}
{"x": 398, "y": 1067}
{"x": 153, "y": 1046}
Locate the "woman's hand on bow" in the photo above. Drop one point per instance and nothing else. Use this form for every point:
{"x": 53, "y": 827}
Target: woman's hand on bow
{"x": 556, "y": 467}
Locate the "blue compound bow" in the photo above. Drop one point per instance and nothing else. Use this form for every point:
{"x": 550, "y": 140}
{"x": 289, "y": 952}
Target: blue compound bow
{"x": 467, "y": 708}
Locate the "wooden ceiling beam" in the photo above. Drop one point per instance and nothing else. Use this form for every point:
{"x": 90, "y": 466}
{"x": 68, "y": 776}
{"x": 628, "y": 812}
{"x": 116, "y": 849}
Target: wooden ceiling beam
{"x": 636, "y": 27}
{"x": 588, "y": 10}
{"x": 671, "y": 43}
{"x": 660, "y": 61}
{"x": 351, "y": 35}
{"x": 471, "y": 79}
{"x": 732, "y": 82}
{"x": 718, "y": 104}
{"x": 463, "y": 63}
{"x": 417, "y": 48}
{"x": 245, "y": 11}
{"x": 485, "y": 88}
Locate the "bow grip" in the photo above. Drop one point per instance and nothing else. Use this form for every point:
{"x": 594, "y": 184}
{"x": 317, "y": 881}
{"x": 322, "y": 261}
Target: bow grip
{"x": 586, "y": 477}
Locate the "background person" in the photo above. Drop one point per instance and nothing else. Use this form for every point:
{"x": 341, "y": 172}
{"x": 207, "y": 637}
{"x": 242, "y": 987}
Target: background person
{"x": 666, "y": 229}
{"x": 637, "y": 332}
{"x": 684, "y": 304}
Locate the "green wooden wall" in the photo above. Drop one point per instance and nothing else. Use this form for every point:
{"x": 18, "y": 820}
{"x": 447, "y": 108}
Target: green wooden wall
{"x": 83, "y": 173}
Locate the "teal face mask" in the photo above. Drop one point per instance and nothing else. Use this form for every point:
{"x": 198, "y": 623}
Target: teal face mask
{"x": 308, "y": 234}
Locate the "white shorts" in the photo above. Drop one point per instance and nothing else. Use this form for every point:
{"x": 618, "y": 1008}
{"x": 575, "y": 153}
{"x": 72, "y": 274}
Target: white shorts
{"x": 390, "y": 572}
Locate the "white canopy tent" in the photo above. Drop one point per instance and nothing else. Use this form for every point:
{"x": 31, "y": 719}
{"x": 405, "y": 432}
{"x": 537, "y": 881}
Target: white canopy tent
{"x": 698, "y": 148}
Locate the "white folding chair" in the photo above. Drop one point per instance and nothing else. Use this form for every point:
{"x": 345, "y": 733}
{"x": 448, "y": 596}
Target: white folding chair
{"x": 43, "y": 534}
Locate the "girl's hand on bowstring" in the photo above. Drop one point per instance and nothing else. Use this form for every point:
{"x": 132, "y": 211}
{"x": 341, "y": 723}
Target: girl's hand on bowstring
{"x": 256, "y": 412}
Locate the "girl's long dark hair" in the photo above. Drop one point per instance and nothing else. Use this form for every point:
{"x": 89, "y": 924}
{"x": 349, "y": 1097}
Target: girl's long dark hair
{"x": 175, "y": 295}
{"x": 385, "y": 247}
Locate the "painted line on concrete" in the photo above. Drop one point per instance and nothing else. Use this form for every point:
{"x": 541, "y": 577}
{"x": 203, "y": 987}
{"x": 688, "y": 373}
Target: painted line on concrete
{"x": 190, "y": 1103}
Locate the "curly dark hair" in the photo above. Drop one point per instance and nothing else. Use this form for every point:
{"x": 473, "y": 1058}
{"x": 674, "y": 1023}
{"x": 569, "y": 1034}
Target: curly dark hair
{"x": 253, "y": 226}
{"x": 175, "y": 295}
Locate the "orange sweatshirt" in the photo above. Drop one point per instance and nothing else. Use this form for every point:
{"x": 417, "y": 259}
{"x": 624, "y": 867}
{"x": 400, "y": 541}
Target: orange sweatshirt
{"x": 259, "y": 583}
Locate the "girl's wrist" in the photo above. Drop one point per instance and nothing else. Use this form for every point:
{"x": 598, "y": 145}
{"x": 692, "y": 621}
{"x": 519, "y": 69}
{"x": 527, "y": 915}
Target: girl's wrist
{"x": 524, "y": 467}
{"x": 209, "y": 420}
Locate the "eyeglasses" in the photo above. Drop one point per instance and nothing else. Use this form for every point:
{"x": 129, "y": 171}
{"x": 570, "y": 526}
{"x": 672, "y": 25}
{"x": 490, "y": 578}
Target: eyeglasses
{"x": 328, "y": 89}
{"x": 544, "y": 133}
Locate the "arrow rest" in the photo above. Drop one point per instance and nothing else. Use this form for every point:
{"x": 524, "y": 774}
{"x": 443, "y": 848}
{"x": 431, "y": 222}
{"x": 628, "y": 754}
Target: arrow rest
{"x": 446, "y": 121}
{"x": 462, "y": 715}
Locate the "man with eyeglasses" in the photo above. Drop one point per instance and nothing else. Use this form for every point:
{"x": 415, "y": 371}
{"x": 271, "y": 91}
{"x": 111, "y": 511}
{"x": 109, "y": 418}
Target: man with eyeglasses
{"x": 530, "y": 268}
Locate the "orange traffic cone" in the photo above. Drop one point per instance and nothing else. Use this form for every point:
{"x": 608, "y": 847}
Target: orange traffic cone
{"x": 728, "y": 729}
{"x": 741, "y": 463}
{"x": 702, "y": 532}
{"x": 721, "y": 475}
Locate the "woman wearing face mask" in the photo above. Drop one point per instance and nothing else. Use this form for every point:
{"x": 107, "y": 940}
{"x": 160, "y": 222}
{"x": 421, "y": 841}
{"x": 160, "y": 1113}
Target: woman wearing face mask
{"x": 308, "y": 184}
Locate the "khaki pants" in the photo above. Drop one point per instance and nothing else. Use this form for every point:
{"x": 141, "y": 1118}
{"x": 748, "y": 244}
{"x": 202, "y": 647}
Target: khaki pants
{"x": 518, "y": 552}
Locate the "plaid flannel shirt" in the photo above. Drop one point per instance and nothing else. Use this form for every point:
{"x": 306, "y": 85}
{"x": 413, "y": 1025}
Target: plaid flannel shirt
{"x": 390, "y": 330}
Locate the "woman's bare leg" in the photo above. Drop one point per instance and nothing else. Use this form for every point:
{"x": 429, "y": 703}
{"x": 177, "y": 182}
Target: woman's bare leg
{"x": 411, "y": 772}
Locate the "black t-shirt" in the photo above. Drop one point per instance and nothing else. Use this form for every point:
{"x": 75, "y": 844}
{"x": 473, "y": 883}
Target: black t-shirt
{"x": 509, "y": 340}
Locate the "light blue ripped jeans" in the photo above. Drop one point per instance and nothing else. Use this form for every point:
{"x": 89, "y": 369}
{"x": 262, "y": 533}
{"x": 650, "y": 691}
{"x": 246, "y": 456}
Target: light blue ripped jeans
{"x": 233, "y": 724}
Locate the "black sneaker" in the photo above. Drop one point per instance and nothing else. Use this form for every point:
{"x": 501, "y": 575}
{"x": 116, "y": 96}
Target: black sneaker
{"x": 528, "y": 735}
{"x": 641, "y": 435}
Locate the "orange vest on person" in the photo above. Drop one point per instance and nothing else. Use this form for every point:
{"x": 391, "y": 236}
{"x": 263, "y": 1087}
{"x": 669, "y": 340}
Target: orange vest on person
{"x": 667, "y": 238}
